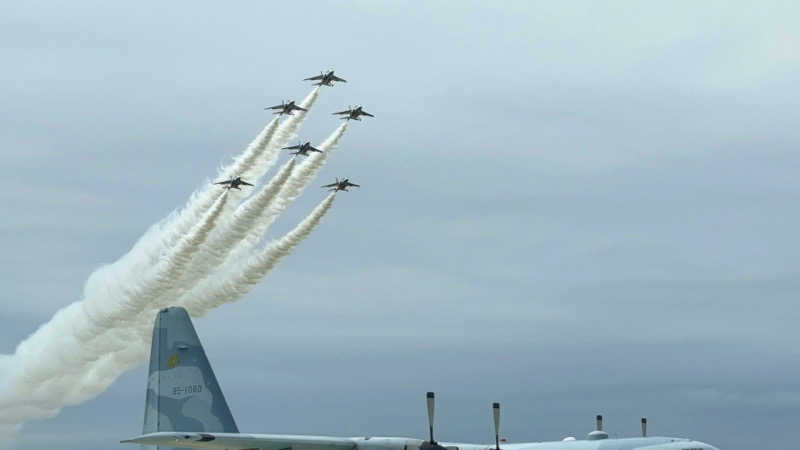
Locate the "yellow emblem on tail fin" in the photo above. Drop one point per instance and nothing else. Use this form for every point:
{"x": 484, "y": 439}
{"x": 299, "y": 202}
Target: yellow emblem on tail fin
{"x": 173, "y": 361}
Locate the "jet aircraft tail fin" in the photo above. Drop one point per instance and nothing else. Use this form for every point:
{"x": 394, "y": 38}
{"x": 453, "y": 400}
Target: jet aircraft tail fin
{"x": 182, "y": 391}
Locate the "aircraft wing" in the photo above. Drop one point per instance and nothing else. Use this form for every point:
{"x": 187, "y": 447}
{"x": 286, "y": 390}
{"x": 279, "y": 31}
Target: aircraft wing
{"x": 318, "y": 77}
{"x": 314, "y": 149}
{"x": 223, "y": 182}
{"x": 366, "y": 113}
{"x": 275, "y": 107}
{"x": 331, "y": 185}
{"x": 346, "y": 111}
{"x": 242, "y": 441}
{"x": 293, "y": 147}
{"x": 299, "y": 107}
{"x": 246, "y": 183}
{"x": 335, "y": 78}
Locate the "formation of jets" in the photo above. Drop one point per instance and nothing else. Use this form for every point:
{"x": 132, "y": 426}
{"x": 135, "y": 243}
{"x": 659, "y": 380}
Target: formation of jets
{"x": 303, "y": 149}
{"x": 340, "y": 185}
{"x": 288, "y": 107}
{"x": 323, "y": 79}
{"x": 234, "y": 183}
{"x": 185, "y": 408}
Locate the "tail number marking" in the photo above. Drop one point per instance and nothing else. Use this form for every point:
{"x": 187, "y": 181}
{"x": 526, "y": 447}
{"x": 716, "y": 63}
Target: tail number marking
{"x": 186, "y": 390}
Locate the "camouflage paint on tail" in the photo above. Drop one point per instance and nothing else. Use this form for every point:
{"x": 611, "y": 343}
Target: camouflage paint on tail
{"x": 182, "y": 391}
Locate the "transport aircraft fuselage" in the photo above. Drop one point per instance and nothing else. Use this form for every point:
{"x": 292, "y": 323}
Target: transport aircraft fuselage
{"x": 185, "y": 408}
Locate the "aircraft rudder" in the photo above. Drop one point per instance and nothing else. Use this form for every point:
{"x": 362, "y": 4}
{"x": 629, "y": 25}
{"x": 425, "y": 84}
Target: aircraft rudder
{"x": 182, "y": 391}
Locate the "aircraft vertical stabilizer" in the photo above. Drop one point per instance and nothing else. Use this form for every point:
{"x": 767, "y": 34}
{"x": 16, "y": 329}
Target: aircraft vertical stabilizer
{"x": 182, "y": 391}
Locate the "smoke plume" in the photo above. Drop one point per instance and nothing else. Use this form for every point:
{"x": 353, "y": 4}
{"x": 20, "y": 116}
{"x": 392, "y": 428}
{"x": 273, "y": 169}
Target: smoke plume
{"x": 186, "y": 258}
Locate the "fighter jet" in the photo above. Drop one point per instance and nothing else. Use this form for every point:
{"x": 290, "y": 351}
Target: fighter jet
{"x": 234, "y": 183}
{"x": 325, "y": 79}
{"x": 286, "y": 108}
{"x": 340, "y": 185}
{"x": 353, "y": 113}
{"x": 303, "y": 149}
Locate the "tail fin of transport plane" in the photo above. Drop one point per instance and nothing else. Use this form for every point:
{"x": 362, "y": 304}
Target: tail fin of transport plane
{"x": 182, "y": 391}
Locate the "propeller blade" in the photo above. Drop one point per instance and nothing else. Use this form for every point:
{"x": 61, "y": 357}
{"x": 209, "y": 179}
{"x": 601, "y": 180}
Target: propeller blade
{"x": 496, "y": 413}
{"x": 431, "y": 400}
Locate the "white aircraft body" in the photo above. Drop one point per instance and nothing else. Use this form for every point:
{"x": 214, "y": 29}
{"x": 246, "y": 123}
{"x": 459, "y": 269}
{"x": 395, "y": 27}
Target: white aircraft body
{"x": 185, "y": 408}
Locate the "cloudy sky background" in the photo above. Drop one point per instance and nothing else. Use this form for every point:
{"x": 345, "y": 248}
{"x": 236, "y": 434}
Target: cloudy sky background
{"x": 570, "y": 209}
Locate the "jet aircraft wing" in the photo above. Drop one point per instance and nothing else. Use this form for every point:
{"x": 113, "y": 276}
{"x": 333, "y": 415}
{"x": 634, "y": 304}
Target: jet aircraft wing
{"x": 335, "y": 78}
{"x": 275, "y": 107}
{"x": 293, "y": 147}
{"x": 318, "y": 77}
{"x": 346, "y": 111}
{"x": 364, "y": 113}
{"x": 331, "y": 185}
{"x": 243, "y": 441}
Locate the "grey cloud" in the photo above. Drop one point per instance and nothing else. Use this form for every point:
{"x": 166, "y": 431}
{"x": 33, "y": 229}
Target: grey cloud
{"x": 572, "y": 210}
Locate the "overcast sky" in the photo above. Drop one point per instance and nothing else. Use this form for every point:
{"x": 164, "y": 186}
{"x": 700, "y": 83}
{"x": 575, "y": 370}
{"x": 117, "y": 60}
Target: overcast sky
{"x": 571, "y": 208}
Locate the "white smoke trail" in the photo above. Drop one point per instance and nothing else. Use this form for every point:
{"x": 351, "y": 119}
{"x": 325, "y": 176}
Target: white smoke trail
{"x": 73, "y": 357}
{"x": 233, "y": 230}
{"x": 256, "y": 216}
{"x": 251, "y": 165}
{"x": 213, "y": 292}
{"x": 290, "y": 190}
{"x": 308, "y": 169}
{"x": 165, "y": 234}
{"x": 86, "y": 345}
{"x": 252, "y": 153}
{"x": 254, "y": 161}
{"x": 169, "y": 268}
{"x": 286, "y": 131}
